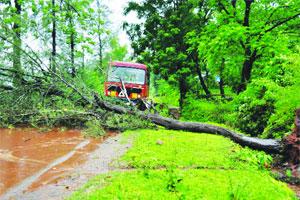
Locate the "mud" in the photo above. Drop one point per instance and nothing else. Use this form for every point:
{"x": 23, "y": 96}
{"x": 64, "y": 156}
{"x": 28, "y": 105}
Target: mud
{"x": 52, "y": 164}
{"x": 98, "y": 162}
{"x": 26, "y": 151}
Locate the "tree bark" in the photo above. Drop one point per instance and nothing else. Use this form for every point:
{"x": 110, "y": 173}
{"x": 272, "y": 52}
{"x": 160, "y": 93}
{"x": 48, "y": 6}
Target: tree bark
{"x": 182, "y": 90}
{"x": 250, "y": 58}
{"x": 202, "y": 82}
{"x": 53, "y": 53}
{"x": 17, "y": 77}
{"x": 72, "y": 40}
{"x": 72, "y": 46}
{"x": 100, "y": 41}
{"x": 247, "y": 12}
{"x": 100, "y": 51}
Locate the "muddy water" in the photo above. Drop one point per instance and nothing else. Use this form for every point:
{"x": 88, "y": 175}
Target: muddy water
{"x": 29, "y": 158}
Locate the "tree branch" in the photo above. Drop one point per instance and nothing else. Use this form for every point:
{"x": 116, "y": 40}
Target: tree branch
{"x": 222, "y": 6}
{"x": 282, "y": 22}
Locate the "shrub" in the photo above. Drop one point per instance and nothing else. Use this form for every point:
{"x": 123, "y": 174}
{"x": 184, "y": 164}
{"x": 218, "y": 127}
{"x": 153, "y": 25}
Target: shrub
{"x": 288, "y": 99}
{"x": 206, "y": 111}
{"x": 255, "y": 106}
{"x": 165, "y": 93}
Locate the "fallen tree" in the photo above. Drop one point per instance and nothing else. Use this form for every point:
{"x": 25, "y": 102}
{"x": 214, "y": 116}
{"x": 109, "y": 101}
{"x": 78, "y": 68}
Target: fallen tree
{"x": 288, "y": 147}
{"x": 267, "y": 145}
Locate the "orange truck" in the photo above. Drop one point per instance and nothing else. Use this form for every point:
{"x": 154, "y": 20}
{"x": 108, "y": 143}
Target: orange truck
{"x": 127, "y": 80}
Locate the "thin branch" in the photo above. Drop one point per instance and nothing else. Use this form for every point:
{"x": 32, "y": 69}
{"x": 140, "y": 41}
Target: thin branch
{"x": 23, "y": 73}
{"x": 282, "y": 22}
{"x": 73, "y": 8}
{"x": 273, "y": 12}
{"x": 223, "y": 7}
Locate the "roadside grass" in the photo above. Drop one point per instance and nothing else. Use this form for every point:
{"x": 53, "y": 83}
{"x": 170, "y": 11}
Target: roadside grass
{"x": 167, "y": 164}
{"x": 163, "y": 148}
{"x": 193, "y": 184}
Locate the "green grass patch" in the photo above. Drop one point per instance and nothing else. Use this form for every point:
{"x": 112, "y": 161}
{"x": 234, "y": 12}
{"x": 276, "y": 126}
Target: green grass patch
{"x": 163, "y": 148}
{"x": 179, "y": 165}
{"x": 193, "y": 184}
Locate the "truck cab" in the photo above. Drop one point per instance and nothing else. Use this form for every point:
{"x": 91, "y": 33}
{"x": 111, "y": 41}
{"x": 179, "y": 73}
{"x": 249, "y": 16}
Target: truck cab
{"x": 134, "y": 77}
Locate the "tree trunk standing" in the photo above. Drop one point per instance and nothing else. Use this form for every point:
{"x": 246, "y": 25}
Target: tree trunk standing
{"x": 247, "y": 68}
{"x": 17, "y": 75}
{"x": 221, "y": 87}
{"x": 247, "y": 12}
{"x": 183, "y": 90}
{"x": 249, "y": 59}
{"x": 100, "y": 51}
{"x": 72, "y": 46}
{"x": 100, "y": 41}
{"x": 155, "y": 83}
{"x": 292, "y": 147}
{"x": 221, "y": 83}
{"x": 53, "y": 53}
{"x": 202, "y": 82}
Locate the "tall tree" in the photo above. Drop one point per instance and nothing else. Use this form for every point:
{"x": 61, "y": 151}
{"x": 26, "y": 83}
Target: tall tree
{"x": 54, "y": 33}
{"x": 17, "y": 43}
{"x": 260, "y": 20}
{"x": 99, "y": 31}
{"x": 71, "y": 35}
{"x": 161, "y": 41}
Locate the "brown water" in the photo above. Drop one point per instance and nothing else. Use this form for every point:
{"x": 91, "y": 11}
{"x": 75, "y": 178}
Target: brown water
{"x": 29, "y": 158}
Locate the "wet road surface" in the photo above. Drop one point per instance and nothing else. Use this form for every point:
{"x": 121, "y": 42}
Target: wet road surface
{"x": 30, "y": 159}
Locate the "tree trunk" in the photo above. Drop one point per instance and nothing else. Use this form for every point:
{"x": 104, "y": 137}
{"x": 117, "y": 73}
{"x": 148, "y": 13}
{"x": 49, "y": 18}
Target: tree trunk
{"x": 247, "y": 68}
{"x": 267, "y": 145}
{"x": 53, "y": 53}
{"x": 183, "y": 90}
{"x": 249, "y": 56}
{"x": 247, "y": 12}
{"x": 221, "y": 83}
{"x": 100, "y": 41}
{"x": 72, "y": 47}
{"x": 202, "y": 82}
{"x": 155, "y": 84}
{"x": 17, "y": 77}
{"x": 100, "y": 51}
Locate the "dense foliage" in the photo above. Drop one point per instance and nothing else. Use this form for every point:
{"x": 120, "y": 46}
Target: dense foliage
{"x": 230, "y": 62}
{"x": 245, "y": 49}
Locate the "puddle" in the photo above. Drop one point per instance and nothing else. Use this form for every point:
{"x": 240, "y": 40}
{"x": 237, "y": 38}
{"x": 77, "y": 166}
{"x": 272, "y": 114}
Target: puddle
{"x": 29, "y": 158}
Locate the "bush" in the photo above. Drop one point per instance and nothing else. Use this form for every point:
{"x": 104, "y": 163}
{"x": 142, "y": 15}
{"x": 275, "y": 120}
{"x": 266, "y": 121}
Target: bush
{"x": 255, "y": 106}
{"x": 165, "y": 93}
{"x": 288, "y": 99}
{"x": 206, "y": 111}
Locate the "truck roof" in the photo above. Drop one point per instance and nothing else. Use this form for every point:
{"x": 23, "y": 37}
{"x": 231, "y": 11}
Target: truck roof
{"x": 129, "y": 64}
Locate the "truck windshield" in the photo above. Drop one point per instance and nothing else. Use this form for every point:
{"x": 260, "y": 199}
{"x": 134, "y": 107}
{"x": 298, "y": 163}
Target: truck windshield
{"x": 128, "y": 75}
